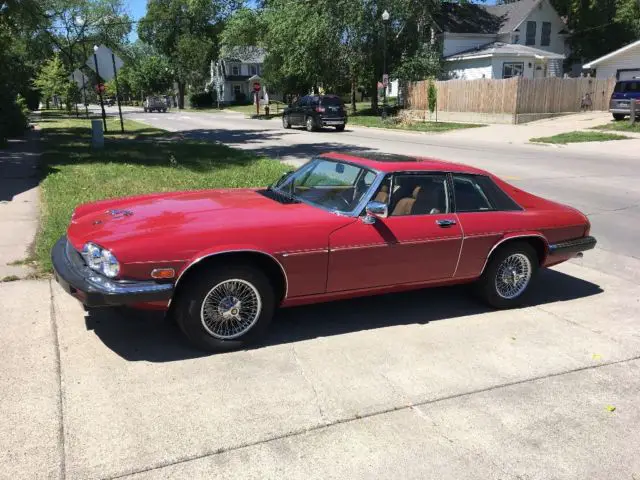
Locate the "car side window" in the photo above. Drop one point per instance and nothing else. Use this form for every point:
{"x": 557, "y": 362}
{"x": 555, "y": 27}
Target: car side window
{"x": 478, "y": 193}
{"x": 419, "y": 194}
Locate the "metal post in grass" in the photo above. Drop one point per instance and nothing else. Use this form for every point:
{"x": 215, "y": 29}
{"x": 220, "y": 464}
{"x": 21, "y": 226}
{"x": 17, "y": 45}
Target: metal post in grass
{"x": 100, "y": 86}
{"x": 633, "y": 106}
{"x": 115, "y": 78}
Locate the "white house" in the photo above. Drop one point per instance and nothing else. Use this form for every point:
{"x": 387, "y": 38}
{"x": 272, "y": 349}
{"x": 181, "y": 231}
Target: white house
{"x": 624, "y": 63}
{"x": 234, "y": 74}
{"x": 522, "y": 38}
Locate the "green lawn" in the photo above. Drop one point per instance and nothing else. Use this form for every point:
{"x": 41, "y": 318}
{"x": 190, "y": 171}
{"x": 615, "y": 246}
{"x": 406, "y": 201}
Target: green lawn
{"x": 622, "y": 126}
{"x": 275, "y": 107}
{"x": 435, "y": 127}
{"x": 143, "y": 160}
{"x": 577, "y": 137}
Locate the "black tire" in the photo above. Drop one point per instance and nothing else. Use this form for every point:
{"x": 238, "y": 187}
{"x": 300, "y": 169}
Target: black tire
{"x": 310, "y": 124}
{"x": 145, "y": 110}
{"x": 618, "y": 116}
{"x": 286, "y": 123}
{"x": 164, "y": 110}
{"x": 193, "y": 292}
{"x": 340, "y": 128}
{"x": 486, "y": 286}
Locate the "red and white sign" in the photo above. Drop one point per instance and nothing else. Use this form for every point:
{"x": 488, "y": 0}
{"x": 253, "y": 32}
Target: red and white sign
{"x": 256, "y": 86}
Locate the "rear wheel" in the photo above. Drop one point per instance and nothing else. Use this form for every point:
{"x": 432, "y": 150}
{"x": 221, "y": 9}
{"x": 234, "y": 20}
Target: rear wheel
{"x": 145, "y": 109}
{"x": 618, "y": 116}
{"x": 340, "y": 128}
{"x": 225, "y": 309}
{"x": 310, "y": 124}
{"x": 508, "y": 275}
{"x": 286, "y": 122}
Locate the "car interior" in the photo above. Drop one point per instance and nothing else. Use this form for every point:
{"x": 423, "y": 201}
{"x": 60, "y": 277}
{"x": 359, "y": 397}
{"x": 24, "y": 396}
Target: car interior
{"x": 414, "y": 195}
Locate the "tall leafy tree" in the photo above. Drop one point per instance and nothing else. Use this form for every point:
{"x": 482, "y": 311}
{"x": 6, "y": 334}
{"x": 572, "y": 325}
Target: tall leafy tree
{"x": 186, "y": 32}
{"x": 53, "y": 81}
{"x": 598, "y": 27}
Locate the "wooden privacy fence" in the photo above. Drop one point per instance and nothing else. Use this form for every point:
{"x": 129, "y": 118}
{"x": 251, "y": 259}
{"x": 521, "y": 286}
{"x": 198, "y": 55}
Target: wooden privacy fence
{"x": 514, "y": 96}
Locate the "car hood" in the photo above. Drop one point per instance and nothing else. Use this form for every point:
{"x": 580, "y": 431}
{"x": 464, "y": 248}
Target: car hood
{"x": 170, "y": 216}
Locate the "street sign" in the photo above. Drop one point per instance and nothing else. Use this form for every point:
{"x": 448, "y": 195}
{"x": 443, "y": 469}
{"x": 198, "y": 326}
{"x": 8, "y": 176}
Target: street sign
{"x": 256, "y": 86}
{"x": 79, "y": 78}
{"x": 105, "y": 68}
{"x": 100, "y": 88}
{"x": 385, "y": 80}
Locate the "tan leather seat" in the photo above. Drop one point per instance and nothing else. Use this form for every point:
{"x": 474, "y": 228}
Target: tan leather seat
{"x": 383, "y": 194}
{"x": 429, "y": 200}
{"x": 405, "y": 205}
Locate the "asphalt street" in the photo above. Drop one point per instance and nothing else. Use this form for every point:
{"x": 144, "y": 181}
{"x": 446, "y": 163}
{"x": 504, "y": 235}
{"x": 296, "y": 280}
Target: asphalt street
{"x": 420, "y": 385}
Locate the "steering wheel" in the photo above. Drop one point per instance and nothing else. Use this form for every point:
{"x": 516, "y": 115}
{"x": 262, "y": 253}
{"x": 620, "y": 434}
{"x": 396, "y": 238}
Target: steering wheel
{"x": 346, "y": 204}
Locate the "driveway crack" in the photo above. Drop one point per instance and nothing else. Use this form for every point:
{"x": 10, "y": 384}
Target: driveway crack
{"x": 311, "y": 384}
{"x": 60, "y": 402}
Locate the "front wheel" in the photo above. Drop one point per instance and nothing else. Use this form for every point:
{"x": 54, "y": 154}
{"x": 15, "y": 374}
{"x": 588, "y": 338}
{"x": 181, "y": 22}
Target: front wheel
{"x": 225, "y": 309}
{"x": 286, "y": 122}
{"x": 508, "y": 275}
{"x": 145, "y": 110}
{"x": 340, "y": 128}
{"x": 618, "y": 116}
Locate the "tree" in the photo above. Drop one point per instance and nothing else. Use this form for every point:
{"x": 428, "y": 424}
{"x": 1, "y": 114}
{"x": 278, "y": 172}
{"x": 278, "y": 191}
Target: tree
{"x": 599, "y": 27}
{"x": 186, "y": 32}
{"x": 338, "y": 43}
{"x": 148, "y": 74}
{"x": 53, "y": 81}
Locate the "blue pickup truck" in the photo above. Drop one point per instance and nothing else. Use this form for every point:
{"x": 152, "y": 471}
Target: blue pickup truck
{"x": 625, "y": 92}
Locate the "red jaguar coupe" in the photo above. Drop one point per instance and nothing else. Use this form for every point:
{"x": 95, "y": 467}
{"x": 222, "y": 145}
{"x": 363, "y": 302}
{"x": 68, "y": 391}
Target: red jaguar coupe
{"x": 341, "y": 226}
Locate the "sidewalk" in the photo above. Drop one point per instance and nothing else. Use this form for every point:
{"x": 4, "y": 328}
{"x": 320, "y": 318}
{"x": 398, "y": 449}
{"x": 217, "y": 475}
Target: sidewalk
{"x": 19, "y": 199}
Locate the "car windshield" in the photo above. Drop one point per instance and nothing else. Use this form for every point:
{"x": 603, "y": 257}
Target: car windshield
{"x": 330, "y": 184}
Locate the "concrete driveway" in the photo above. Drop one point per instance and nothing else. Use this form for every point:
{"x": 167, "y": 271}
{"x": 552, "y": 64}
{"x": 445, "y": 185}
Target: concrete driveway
{"x": 427, "y": 384}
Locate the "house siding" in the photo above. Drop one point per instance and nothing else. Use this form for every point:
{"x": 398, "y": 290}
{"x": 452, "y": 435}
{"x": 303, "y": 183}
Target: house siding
{"x": 471, "y": 69}
{"x": 628, "y": 60}
{"x": 544, "y": 12}
{"x": 455, "y": 43}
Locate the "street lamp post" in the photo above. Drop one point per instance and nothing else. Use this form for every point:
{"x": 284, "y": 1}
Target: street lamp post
{"x": 95, "y": 61}
{"x": 80, "y": 21}
{"x": 385, "y": 77}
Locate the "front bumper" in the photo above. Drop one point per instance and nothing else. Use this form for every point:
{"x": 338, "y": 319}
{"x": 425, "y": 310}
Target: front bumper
{"x": 576, "y": 245}
{"x": 96, "y": 290}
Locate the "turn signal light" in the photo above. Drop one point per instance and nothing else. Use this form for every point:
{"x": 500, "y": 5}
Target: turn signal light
{"x": 163, "y": 273}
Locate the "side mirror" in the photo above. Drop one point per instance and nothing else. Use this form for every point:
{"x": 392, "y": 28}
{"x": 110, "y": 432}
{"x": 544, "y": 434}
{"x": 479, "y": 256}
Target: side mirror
{"x": 375, "y": 210}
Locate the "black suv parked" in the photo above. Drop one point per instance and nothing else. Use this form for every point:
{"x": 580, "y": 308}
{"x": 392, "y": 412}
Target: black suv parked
{"x": 316, "y": 111}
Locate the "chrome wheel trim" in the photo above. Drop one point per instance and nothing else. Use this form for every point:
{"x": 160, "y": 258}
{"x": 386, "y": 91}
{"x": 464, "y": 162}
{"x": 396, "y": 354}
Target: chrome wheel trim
{"x": 309, "y": 123}
{"x": 513, "y": 276}
{"x": 285, "y": 121}
{"x": 230, "y": 309}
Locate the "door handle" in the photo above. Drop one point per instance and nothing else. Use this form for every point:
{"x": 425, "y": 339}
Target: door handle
{"x": 447, "y": 222}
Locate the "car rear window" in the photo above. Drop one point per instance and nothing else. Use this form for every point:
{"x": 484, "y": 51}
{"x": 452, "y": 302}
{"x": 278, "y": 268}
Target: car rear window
{"x": 478, "y": 193}
{"x": 331, "y": 101}
{"x": 627, "y": 87}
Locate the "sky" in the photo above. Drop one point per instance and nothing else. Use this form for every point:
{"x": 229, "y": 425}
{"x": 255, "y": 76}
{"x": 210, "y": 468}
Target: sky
{"x": 137, "y": 9}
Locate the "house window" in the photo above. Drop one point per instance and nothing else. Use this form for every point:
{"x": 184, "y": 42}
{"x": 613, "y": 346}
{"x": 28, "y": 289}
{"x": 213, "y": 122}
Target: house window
{"x": 512, "y": 69}
{"x": 253, "y": 70}
{"x": 531, "y": 33}
{"x": 545, "y": 40}
{"x": 236, "y": 90}
{"x": 235, "y": 70}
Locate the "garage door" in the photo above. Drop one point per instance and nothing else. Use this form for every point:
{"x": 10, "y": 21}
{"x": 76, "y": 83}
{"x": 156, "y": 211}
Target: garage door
{"x": 628, "y": 74}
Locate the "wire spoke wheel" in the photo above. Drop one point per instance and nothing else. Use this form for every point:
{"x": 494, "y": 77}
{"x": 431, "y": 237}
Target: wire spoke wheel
{"x": 513, "y": 276}
{"x": 230, "y": 309}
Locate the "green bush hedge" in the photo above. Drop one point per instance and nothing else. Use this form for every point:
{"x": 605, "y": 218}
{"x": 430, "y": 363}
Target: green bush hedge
{"x": 202, "y": 99}
{"x": 13, "y": 117}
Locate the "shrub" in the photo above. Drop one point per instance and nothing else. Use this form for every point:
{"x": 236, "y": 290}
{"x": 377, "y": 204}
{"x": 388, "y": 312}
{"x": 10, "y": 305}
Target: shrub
{"x": 241, "y": 99}
{"x": 13, "y": 118}
{"x": 201, "y": 100}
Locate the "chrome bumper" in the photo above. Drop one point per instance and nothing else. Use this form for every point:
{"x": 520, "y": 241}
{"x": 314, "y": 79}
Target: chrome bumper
{"x": 95, "y": 290}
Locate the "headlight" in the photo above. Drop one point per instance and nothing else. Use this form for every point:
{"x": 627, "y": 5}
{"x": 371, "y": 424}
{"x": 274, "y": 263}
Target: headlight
{"x": 101, "y": 260}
